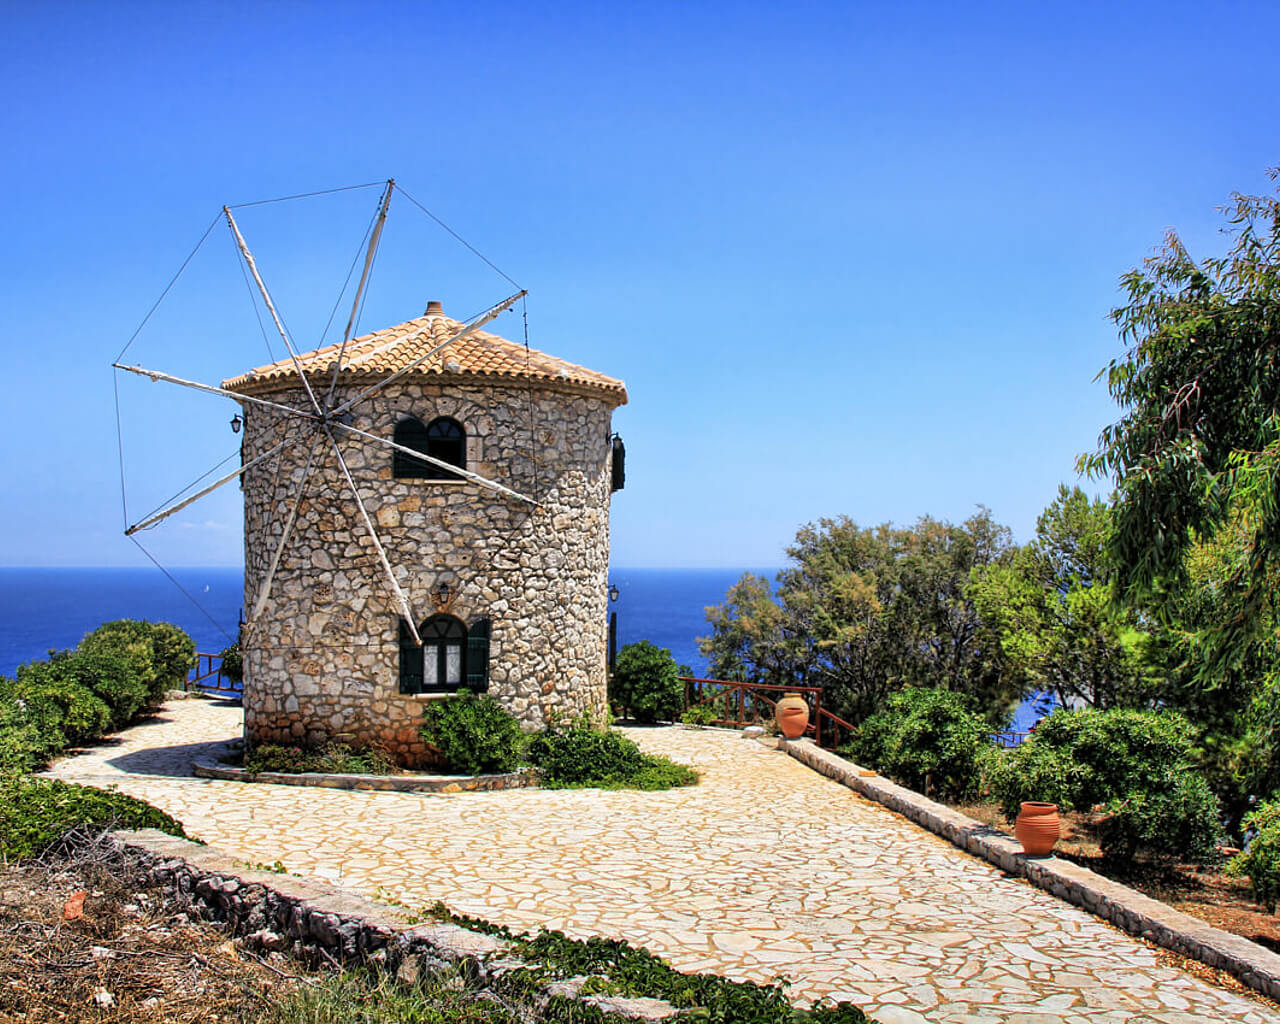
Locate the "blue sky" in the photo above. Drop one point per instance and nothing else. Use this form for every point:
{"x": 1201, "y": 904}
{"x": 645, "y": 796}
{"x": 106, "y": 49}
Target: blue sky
{"x": 850, "y": 258}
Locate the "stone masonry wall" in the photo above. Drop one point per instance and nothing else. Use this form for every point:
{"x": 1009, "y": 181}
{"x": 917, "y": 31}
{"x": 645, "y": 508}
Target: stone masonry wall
{"x": 323, "y": 661}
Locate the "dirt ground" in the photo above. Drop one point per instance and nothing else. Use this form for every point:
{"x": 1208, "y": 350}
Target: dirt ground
{"x": 1205, "y": 893}
{"x": 80, "y": 943}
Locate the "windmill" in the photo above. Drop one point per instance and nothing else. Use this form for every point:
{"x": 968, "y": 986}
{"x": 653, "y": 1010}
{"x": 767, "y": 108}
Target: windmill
{"x": 358, "y": 519}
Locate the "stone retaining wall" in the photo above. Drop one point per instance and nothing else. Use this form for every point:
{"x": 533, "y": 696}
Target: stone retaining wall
{"x": 1124, "y": 907}
{"x": 319, "y": 923}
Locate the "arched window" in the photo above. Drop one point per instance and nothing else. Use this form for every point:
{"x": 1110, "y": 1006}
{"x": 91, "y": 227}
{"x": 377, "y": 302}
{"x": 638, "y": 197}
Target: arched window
{"x": 451, "y": 656}
{"x": 443, "y": 438}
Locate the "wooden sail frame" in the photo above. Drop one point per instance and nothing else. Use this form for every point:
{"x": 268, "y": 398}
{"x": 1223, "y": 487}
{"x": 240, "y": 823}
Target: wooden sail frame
{"x": 328, "y": 416}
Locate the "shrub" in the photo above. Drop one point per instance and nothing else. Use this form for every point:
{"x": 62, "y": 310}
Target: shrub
{"x": 646, "y": 683}
{"x": 699, "y": 715}
{"x": 160, "y": 654}
{"x": 110, "y": 676}
{"x": 37, "y": 812}
{"x": 331, "y": 759}
{"x": 584, "y": 756}
{"x": 1136, "y": 763}
{"x": 233, "y": 662}
{"x": 473, "y": 733}
{"x": 1261, "y": 861}
{"x": 1095, "y": 756}
{"x": 1177, "y": 818}
{"x": 59, "y": 702}
{"x": 23, "y": 748}
{"x": 929, "y": 740}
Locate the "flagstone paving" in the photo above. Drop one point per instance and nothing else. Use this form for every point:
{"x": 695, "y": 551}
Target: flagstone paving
{"x": 764, "y": 869}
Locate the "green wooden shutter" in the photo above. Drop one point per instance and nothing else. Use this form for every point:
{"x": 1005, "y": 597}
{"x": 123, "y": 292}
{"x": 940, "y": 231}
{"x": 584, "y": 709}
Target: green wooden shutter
{"x": 410, "y": 661}
{"x": 477, "y": 664}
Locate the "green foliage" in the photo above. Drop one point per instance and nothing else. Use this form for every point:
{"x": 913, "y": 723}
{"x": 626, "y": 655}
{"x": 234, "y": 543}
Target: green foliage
{"x": 233, "y": 660}
{"x": 618, "y": 967}
{"x": 1261, "y": 861}
{"x": 332, "y": 759}
{"x": 367, "y": 997}
{"x": 646, "y": 683}
{"x": 37, "y": 812}
{"x": 1052, "y": 609}
{"x": 866, "y": 612}
{"x": 1136, "y": 763}
{"x": 699, "y": 715}
{"x": 160, "y": 654}
{"x": 1177, "y": 817}
{"x": 112, "y": 676}
{"x": 59, "y": 701}
{"x": 929, "y": 740}
{"x": 1197, "y": 447}
{"x": 473, "y": 733}
{"x": 23, "y": 746}
{"x": 584, "y": 756}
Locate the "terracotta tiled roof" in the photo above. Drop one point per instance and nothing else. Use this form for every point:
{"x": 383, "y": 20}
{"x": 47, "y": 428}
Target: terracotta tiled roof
{"x": 480, "y": 354}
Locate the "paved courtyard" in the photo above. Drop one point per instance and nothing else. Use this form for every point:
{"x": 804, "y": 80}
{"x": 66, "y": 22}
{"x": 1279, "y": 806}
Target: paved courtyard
{"x": 764, "y": 869}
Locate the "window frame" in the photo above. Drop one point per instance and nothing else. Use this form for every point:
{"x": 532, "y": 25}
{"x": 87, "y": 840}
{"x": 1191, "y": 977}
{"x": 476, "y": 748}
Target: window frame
{"x": 444, "y": 438}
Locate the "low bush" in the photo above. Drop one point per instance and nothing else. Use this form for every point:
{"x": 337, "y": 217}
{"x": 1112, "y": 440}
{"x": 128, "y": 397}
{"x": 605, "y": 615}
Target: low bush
{"x": 59, "y": 702}
{"x": 928, "y": 740}
{"x": 23, "y": 747}
{"x": 645, "y": 683}
{"x": 1137, "y": 765}
{"x": 1260, "y": 863}
{"x": 1178, "y": 818}
{"x": 37, "y": 812}
{"x": 233, "y": 662}
{"x": 699, "y": 715}
{"x": 583, "y": 756}
{"x": 159, "y": 653}
{"x": 112, "y": 676}
{"x": 331, "y": 759}
{"x": 473, "y": 733}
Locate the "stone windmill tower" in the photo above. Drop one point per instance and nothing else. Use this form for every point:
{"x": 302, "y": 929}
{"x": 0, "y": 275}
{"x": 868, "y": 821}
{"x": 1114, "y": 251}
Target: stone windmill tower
{"x": 441, "y": 521}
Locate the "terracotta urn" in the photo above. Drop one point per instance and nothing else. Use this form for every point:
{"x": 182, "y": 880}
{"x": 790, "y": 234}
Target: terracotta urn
{"x": 792, "y": 715}
{"x": 1037, "y": 827}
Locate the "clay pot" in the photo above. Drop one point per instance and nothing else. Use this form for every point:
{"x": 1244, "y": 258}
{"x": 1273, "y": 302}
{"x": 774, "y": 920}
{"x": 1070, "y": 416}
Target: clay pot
{"x": 1037, "y": 828}
{"x": 792, "y": 715}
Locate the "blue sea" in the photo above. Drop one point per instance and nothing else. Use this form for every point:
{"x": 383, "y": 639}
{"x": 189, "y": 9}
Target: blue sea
{"x": 51, "y": 609}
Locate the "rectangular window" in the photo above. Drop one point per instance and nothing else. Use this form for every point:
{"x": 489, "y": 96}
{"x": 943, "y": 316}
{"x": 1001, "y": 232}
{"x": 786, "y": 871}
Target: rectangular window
{"x": 454, "y": 667}
{"x": 430, "y": 665}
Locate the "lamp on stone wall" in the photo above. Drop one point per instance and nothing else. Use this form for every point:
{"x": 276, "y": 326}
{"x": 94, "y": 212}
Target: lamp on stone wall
{"x": 236, "y": 423}
{"x": 442, "y": 593}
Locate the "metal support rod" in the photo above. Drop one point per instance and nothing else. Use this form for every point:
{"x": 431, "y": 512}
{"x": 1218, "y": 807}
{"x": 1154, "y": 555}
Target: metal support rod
{"x": 473, "y": 325}
{"x": 168, "y": 378}
{"x": 465, "y": 473}
{"x": 261, "y": 600}
{"x": 364, "y": 278}
{"x": 152, "y": 520}
{"x": 405, "y": 610}
{"x": 271, "y": 308}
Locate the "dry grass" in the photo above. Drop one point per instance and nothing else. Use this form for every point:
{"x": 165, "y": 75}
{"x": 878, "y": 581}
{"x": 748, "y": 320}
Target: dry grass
{"x": 80, "y": 942}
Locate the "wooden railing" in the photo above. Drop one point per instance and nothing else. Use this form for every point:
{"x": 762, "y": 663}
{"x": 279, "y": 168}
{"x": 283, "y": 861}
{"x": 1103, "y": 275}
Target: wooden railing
{"x": 209, "y": 667}
{"x": 742, "y": 704}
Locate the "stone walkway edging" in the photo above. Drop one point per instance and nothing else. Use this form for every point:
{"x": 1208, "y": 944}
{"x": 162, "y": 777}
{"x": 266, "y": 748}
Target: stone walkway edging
{"x": 380, "y": 783}
{"x": 313, "y": 920}
{"x": 1124, "y": 907}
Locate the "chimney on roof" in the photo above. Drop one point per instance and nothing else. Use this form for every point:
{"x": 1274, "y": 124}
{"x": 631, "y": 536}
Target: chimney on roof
{"x": 434, "y": 308}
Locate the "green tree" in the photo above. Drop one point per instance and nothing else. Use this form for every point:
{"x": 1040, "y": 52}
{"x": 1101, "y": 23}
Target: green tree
{"x": 646, "y": 683}
{"x": 864, "y": 612}
{"x": 1053, "y": 609}
{"x": 1197, "y": 448}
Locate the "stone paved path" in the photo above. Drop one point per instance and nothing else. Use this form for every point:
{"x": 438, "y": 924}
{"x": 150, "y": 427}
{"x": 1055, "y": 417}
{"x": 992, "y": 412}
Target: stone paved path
{"x": 763, "y": 869}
